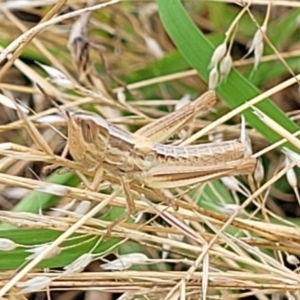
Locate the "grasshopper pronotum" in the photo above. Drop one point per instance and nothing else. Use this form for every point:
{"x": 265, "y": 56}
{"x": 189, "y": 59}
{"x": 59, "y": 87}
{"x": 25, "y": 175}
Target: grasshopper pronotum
{"x": 140, "y": 158}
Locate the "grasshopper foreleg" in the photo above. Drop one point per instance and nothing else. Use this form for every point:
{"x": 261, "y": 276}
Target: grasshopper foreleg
{"x": 129, "y": 209}
{"x": 97, "y": 179}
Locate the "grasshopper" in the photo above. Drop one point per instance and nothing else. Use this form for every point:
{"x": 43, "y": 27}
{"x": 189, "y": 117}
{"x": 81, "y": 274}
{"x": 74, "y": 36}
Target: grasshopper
{"x": 141, "y": 158}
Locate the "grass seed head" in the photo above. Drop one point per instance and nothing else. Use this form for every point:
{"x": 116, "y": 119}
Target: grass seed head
{"x": 291, "y": 178}
{"x": 125, "y": 261}
{"x": 259, "y": 172}
{"x": 79, "y": 264}
{"x": 57, "y": 77}
{"x": 230, "y": 209}
{"x": 292, "y": 260}
{"x": 7, "y": 244}
{"x": 213, "y": 78}
{"x": 185, "y": 100}
{"x": 34, "y": 284}
{"x": 257, "y": 45}
{"x": 83, "y": 207}
{"x": 225, "y": 66}
{"x": 9, "y": 103}
{"x": 154, "y": 47}
{"x": 218, "y": 54}
{"x": 245, "y": 139}
{"x": 258, "y": 52}
{"x": 293, "y": 156}
{"x": 53, "y": 189}
{"x": 36, "y": 251}
{"x": 234, "y": 185}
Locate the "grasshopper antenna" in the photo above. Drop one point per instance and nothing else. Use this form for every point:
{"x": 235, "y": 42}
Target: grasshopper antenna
{"x": 66, "y": 116}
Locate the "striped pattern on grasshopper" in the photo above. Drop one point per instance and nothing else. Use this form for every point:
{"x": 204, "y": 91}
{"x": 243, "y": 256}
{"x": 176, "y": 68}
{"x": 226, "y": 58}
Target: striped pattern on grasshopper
{"x": 142, "y": 158}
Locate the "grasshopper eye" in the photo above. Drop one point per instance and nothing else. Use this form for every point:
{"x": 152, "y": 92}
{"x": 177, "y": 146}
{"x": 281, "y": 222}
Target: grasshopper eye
{"x": 88, "y": 132}
{"x": 150, "y": 157}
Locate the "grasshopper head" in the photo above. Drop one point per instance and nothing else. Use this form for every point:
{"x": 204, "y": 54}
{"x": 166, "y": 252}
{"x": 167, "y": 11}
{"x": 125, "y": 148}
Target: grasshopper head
{"x": 88, "y": 136}
{"x": 88, "y": 126}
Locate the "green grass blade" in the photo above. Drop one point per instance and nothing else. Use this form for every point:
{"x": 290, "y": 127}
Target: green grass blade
{"x": 72, "y": 248}
{"x": 197, "y": 50}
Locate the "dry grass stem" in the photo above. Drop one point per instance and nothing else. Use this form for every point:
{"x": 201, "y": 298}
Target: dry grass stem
{"x": 102, "y": 121}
